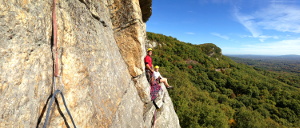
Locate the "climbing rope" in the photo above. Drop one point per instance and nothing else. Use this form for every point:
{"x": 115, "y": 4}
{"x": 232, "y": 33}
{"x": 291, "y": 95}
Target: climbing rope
{"x": 50, "y": 104}
{"x": 138, "y": 76}
{"x": 54, "y": 47}
{"x": 56, "y": 70}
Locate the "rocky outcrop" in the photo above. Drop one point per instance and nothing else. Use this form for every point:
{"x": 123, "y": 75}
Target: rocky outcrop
{"x": 101, "y": 47}
{"x": 146, "y": 9}
{"x": 129, "y": 34}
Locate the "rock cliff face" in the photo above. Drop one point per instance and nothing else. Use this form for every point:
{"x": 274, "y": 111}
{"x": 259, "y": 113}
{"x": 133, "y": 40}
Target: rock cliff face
{"x": 101, "y": 44}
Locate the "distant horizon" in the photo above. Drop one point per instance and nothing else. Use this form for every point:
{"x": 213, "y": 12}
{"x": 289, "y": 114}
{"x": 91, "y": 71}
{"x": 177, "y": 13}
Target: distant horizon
{"x": 263, "y": 55}
{"x": 236, "y": 53}
{"x": 268, "y": 27}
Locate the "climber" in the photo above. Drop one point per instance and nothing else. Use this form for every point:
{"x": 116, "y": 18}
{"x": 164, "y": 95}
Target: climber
{"x": 159, "y": 78}
{"x": 148, "y": 64}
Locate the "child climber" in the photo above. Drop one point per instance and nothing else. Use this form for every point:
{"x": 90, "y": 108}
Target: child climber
{"x": 159, "y": 78}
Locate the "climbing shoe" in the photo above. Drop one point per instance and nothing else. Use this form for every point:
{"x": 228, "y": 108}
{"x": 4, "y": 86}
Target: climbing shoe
{"x": 170, "y": 87}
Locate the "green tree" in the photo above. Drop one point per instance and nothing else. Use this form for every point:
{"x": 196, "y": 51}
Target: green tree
{"x": 246, "y": 118}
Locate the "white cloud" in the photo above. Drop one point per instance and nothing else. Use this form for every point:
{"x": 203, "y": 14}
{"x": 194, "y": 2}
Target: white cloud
{"x": 261, "y": 38}
{"x": 284, "y": 1}
{"x": 190, "y": 33}
{"x": 276, "y": 48}
{"x": 278, "y": 17}
{"x": 248, "y": 22}
{"x": 221, "y": 36}
{"x": 281, "y": 18}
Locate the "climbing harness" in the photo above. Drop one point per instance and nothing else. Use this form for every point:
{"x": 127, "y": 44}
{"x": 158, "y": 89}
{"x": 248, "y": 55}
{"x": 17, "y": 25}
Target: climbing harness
{"x": 56, "y": 70}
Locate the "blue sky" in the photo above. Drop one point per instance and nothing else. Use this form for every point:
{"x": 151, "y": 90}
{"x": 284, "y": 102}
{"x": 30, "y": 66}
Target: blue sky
{"x": 259, "y": 27}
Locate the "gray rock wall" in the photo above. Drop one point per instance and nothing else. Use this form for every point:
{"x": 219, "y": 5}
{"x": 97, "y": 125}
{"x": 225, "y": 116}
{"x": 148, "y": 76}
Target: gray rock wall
{"x": 101, "y": 47}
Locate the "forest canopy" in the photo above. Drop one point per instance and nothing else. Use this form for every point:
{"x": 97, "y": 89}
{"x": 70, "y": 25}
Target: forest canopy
{"x": 211, "y": 90}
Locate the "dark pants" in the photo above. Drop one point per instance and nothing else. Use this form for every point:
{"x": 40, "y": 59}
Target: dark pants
{"x": 149, "y": 75}
{"x": 158, "y": 79}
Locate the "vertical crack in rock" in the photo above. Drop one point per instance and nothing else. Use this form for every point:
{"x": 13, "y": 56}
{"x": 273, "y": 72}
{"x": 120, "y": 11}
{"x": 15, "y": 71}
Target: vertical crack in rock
{"x": 94, "y": 15}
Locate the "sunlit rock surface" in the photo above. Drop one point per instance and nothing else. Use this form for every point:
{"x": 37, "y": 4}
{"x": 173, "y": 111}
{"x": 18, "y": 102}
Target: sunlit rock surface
{"x": 101, "y": 49}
